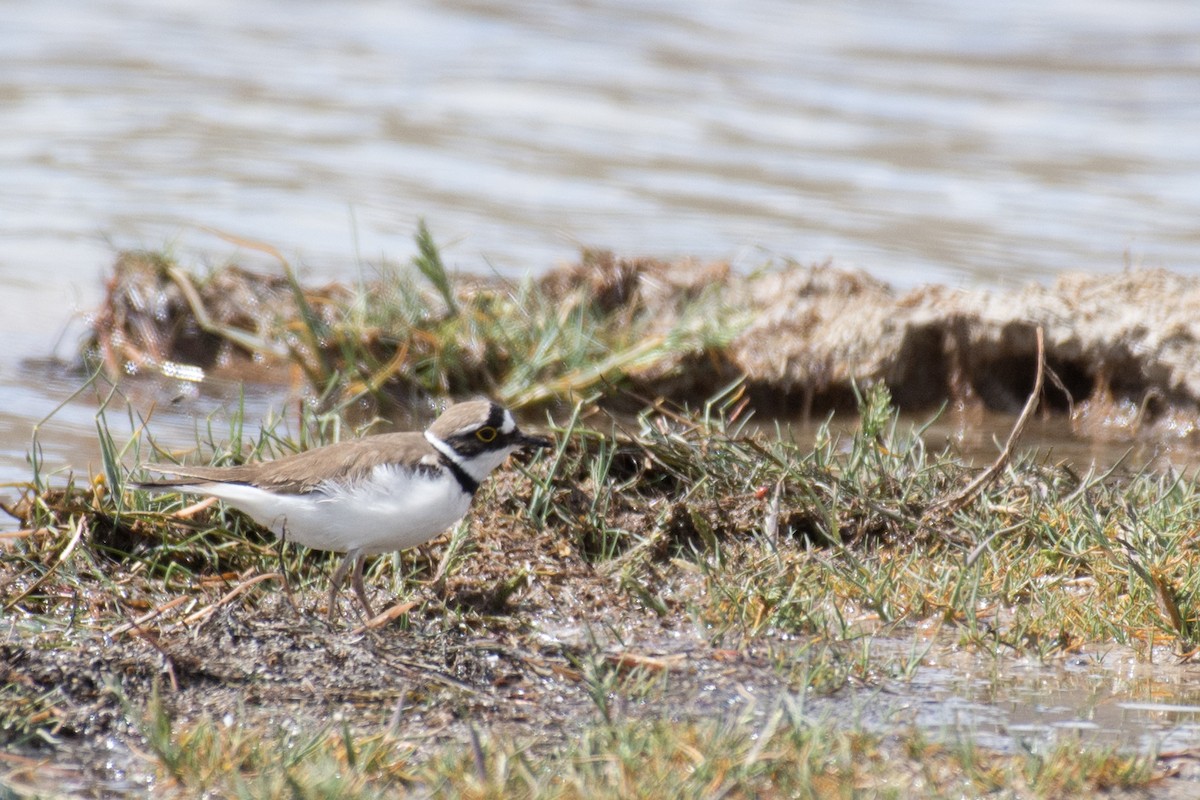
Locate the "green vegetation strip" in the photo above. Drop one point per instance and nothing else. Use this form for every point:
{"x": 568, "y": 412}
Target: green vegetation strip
{"x": 679, "y": 538}
{"x": 409, "y": 330}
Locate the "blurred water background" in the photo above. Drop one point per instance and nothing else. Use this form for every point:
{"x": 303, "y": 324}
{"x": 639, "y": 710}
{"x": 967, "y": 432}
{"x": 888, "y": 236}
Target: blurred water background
{"x": 963, "y": 143}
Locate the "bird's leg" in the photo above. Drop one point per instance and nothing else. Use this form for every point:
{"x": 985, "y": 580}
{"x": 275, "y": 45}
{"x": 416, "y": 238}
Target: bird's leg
{"x": 351, "y": 558}
{"x": 287, "y": 583}
{"x": 358, "y": 585}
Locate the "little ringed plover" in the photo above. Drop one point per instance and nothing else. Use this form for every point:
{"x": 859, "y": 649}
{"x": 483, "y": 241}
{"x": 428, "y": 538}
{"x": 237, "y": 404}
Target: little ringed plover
{"x": 366, "y": 496}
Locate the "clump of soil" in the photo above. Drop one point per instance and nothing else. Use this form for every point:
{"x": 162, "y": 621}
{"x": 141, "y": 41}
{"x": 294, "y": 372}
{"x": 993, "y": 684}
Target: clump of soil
{"x": 1122, "y": 351}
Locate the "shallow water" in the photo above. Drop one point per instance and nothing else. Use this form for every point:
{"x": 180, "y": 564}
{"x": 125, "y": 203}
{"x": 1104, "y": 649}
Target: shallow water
{"x": 1108, "y": 697}
{"x": 931, "y": 141}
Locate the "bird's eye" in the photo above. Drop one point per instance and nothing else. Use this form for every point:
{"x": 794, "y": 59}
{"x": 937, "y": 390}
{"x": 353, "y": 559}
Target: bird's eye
{"x": 486, "y": 435}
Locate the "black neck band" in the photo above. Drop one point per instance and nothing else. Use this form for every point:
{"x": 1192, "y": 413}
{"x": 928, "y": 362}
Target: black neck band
{"x": 468, "y": 484}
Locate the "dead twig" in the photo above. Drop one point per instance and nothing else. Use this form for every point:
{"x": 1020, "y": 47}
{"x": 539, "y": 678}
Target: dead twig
{"x": 195, "y": 508}
{"x": 241, "y": 588}
{"x": 137, "y": 623}
{"x": 384, "y": 617}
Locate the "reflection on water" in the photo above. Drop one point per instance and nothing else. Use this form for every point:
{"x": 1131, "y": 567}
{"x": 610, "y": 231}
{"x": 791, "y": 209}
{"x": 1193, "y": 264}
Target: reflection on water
{"x": 1108, "y": 697}
{"x": 178, "y": 414}
{"x": 979, "y": 437}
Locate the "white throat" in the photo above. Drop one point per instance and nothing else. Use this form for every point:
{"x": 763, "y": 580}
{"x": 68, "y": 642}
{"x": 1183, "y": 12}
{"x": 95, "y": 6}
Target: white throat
{"x": 477, "y": 466}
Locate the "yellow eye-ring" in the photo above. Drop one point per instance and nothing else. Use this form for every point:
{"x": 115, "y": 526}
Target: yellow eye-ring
{"x": 486, "y": 435}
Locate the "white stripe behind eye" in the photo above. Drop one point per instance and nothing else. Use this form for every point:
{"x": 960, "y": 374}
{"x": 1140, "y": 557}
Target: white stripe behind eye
{"x": 443, "y": 448}
{"x": 510, "y": 424}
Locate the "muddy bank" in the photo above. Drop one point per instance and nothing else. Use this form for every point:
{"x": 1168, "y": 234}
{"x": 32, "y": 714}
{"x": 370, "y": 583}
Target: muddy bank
{"x": 680, "y": 574}
{"x": 1122, "y": 350}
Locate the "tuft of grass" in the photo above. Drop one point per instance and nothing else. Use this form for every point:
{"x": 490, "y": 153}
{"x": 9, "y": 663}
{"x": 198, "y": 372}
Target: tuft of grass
{"x": 837, "y": 540}
{"x": 428, "y": 262}
{"x": 221, "y": 757}
{"x": 412, "y": 331}
{"x": 781, "y": 752}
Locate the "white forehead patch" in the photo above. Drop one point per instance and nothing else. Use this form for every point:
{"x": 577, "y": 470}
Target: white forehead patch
{"x": 510, "y": 424}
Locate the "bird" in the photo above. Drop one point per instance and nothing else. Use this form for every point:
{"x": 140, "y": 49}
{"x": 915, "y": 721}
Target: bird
{"x": 362, "y": 497}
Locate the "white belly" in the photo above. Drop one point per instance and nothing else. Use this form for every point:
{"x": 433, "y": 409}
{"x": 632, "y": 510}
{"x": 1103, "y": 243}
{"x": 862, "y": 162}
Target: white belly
{"x": 392, "y": 510}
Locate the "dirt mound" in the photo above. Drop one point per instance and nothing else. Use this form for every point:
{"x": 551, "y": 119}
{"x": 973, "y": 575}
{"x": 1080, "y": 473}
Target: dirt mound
{"x": 1122, "y": 350}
